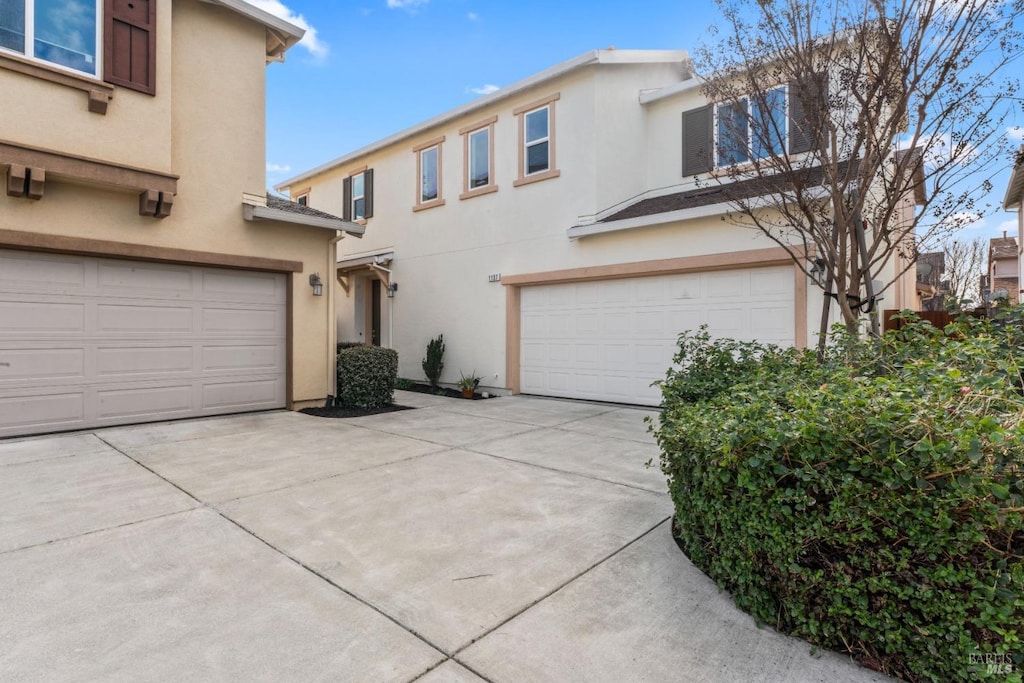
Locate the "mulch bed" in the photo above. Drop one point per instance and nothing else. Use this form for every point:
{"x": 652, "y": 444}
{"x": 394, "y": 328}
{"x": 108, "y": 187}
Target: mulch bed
{"x": 442, "y": 391}
{"x": 352, "y": 412}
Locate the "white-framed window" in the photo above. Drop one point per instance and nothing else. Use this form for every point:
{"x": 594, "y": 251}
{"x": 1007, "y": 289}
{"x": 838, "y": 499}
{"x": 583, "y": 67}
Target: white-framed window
{"x": 61, "y": 32}
{"x": 429, "y": 174}
{"x": 749, "y": 129}
{"x": 536, "y": 123}
{"x": 357, "y": 189}
{"x": 478, "y": 158}
{"x": 302, "y": 200}
{"x": 537, "y": 141}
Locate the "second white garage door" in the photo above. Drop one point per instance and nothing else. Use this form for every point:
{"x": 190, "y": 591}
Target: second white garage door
{"x": 88, "y": 342}
{"x": 608, "y": 340}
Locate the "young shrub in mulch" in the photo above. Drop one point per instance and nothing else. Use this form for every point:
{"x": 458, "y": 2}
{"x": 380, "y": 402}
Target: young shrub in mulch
{"x": 366, "y": 376}
{"x": 871, "y": 504}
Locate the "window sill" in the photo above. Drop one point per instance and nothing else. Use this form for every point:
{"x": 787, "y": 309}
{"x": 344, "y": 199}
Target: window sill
{"x": 476, "y": 192}
{"x": 535, "y": 178}
{"x": 99, "y": 92}
{"x": 428, "y": 205}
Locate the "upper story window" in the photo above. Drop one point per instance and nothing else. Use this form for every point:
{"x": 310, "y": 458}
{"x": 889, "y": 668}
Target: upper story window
{"x": 62, "y": 32}
{"x": 302, "y": 200}
{"x": 67, "y": 33}
{"x": 358, "y": 195}
{"x": 428, "y": 174}
{"x": 537, "y": 154}
{"x": 537, "y": 141}
{"x": 478, "y": 158}
{"x": 749, "y": 129}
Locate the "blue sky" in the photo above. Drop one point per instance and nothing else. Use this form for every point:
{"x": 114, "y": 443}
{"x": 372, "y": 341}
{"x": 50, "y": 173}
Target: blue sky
{"x": 369, "y": 68}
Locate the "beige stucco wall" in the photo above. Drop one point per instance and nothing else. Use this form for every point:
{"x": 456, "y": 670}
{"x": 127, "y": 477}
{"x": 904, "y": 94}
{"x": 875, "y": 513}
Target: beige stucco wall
{"x": 135, "y": 131}
{"x": 213, "y": 136}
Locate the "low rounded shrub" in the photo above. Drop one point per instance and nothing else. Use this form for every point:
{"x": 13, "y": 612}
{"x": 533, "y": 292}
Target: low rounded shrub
{"x": 871, "y": 503}
{"x": 366, "y": 376}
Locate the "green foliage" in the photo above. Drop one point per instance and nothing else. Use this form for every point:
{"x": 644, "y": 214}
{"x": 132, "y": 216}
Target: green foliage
{"x": 366, "y": 376}
{"x": 872, "y": 503}
{"x": 470, "y": 381}
{"x": 403, "y": 383}
{"x": 347, "y": 345}
{"x": 433, "y": 364}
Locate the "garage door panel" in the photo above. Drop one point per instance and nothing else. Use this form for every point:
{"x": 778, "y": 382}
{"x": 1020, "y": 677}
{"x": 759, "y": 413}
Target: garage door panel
{"x": 133, "y": 341}
{"x": 242, "y": 321}
{"x": 243, "y": 286}
{"x": 37, "y": 273}
{"x": 145, "y": 401}
{"x": 35, "y": 364}
{"x": 135, "y": 279}
{"x": 27, "y": 412}
{"x": 624, "y": 332}
{"x": 122, "y": 361}
{"x": 252, "y": 358}
{"x": 144, "y": 319}
{"x": 47, "y": 317}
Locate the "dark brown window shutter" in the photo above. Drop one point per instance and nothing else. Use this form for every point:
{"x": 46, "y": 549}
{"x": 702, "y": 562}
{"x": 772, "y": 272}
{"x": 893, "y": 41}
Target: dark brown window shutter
{"x": 807, "y": 108}
{"x": 346, "y": 193}
{"x": 368, "y": 191}
{"x": 697, "y": 141}
{"x": 129, "y": 50}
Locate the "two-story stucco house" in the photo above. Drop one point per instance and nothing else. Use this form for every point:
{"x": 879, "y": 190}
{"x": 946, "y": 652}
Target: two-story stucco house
{"x": 143, "y": 274}
{"x": 555, "y": 233}
{"x": 1013, "y": 202}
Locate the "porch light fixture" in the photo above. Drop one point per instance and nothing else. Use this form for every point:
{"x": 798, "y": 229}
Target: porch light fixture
{"x": 392, "y": 288}
{"x": 316, "y": 284}
{"x": 817, "y": 272}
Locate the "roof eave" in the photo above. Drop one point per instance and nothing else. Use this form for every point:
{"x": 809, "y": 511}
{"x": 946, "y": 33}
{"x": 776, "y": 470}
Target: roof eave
{"x": 1015, "y": 188}
{"x": 281, "y": 34}
{"x": 586, "y": 59}
{"x": 265, "y": 213}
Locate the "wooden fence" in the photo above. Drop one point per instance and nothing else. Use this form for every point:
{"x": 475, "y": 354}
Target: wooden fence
{"x": 937, "y": 318}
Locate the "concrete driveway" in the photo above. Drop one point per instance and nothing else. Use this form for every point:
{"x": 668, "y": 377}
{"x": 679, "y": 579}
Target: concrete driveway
{"x": 517, "y": 539}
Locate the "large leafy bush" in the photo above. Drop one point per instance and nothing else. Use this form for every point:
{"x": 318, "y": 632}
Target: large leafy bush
{"x": 871, "y": 503}
{"x": 366, "y": 376}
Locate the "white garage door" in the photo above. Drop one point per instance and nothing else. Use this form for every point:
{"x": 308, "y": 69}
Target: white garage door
{"x": 608, "y": 340}
{"x": 88, "y": 342}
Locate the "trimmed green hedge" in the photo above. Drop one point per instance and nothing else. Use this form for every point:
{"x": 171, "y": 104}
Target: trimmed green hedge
{"x": 366, "y": 376}
{"x": 870, "y": 504}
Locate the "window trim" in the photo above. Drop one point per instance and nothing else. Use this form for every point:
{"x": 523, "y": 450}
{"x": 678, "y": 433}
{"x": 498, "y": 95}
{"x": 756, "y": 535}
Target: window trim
{"x": 99, "y": 93}
{"x": 30, "y": 34}
{"x": 522, "y": 178}
{"x": 354, "y": 198}
{"x": 419, "y": 150}
{"x": 467, "y": 133}
{"x": 749, "y": 146}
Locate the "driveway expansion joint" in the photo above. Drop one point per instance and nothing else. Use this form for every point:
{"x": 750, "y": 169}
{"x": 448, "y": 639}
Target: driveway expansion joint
{"x": 558, "y": 588}
{"x": 284, "y": 554}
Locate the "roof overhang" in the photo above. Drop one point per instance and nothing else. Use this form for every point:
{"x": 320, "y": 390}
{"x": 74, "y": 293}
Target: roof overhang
{"x": 610, "y": 56}
{"x": 255, "y": 210}
{"x": 374, "y": 264}
{"x": 1016, "y": 187}
{"x": 281, "y": 34}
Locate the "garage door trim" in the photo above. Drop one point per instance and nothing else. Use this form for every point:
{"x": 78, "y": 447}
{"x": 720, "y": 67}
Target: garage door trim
{"x": 752, "y": 258}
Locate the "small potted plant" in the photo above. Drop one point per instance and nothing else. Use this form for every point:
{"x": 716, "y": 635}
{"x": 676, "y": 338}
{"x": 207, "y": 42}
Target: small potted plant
{"x": 468, "y": 384}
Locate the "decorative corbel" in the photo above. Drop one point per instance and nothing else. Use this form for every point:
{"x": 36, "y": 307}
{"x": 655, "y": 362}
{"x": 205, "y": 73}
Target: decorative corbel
{"x": 156, "y": 204}
{"x": 25, "y": 182}
{"x": 345, "y": 284}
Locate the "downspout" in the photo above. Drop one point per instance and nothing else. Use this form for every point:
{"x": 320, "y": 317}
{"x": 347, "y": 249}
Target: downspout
{"x": 332, "y": 324}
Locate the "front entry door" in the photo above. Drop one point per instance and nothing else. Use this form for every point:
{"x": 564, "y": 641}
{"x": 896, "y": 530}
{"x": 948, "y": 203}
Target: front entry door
{"x": 375, "y": 312}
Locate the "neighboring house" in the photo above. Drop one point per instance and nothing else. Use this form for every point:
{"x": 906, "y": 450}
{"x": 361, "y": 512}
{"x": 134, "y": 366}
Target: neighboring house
{"x": 1003, "y": 276}
{"x": 136, "y": 281}
{"x": 554, "y": 233}
{"x": 1012, "y": 202}
{"x": 931, "y": 288}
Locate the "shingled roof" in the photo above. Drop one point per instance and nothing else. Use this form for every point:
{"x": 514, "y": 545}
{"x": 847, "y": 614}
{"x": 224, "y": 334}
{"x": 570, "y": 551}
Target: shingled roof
{"x": 715, "y": 194}
{"x": 1003, "y": 247}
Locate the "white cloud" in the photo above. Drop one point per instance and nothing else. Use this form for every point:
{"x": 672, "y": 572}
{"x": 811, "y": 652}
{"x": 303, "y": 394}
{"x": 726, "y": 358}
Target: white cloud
{"x": 1015, "y": 133}
{"x": 278, "y": 168}
{"x": 406, "y": 4}
{"x": 486, "y": 89}
{"x": 317, "y": 48}
{"x": 473, "y": 16}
